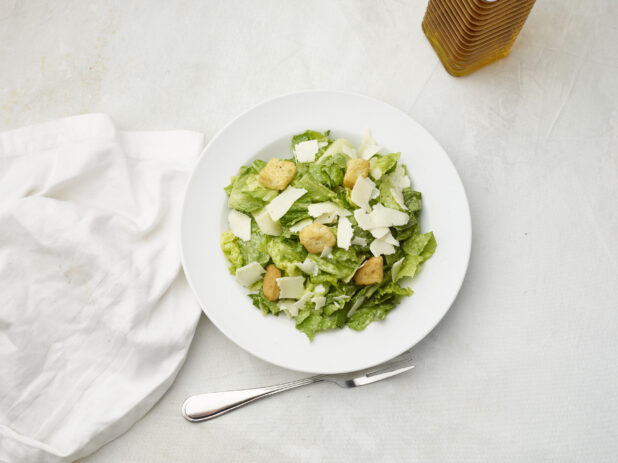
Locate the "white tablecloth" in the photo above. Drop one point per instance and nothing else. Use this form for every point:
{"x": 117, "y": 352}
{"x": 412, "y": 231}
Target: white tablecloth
{"x": 524, "y": 366}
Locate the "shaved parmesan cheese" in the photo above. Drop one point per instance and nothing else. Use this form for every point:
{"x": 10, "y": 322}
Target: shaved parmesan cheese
{"x": 396, "y": 267}
{"x": 326, "y": 252}
{"x": 300, "y": 225}
{"x": 319, "y": 301}
{"x": 362, "y": 219}
{"x": 320, "y": 289}
{"x": 370, "y": 151}
{"x": 291, "y": 308}
{"x": 341, "y": 145}
{"x": 356, "y": 305}
{"x": 368, "y": 147}
{"x": 381, "y": 247}
{"x": 240, "y": 224}
{"x": 287, "y": 307}
{"x": 249, "y": 274}
{"x": 398, "y": 197}
{"x": 379, "y": 232}
{"x": 322, "y": 144}
{"x": 291, "y": 287}
{"x": 380, "y": 217}
{"x": 282, "y": 203}
{"x": 388, "y": 238}
{"x": 344, "y": 233}
{"x": 329, "y": 217}
{"x": 305, "y": 151}
{"x": 358, "y": 241}
{"x": 308, "y": 266}
{"x": 398, "y": 178}
{"x": 386, "y": 217}
{"x": 349, "y": 151}
{"x": 300, "y": 304}
{"x": 362, "y": 192}
{"x": 318, "y": 209}
{"x": 266, "y": 224}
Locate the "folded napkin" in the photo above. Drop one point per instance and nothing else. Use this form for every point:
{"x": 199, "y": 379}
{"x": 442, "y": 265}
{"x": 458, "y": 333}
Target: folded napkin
{"x": 95, "y": 315}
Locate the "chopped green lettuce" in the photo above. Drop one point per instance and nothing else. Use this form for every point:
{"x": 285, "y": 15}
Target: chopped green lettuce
{"x": 386, "y": 195}
{"x": 369, "y": 313}
{"x": 316, "y": 192}
{"x": 412, "y": 199}
{"x": 265, "y": 305}
{"x": 314, "y": 322}
{"x": 344, "y": 303}
{"x": 229, "y": 245}
{"x": 245, "y": 192}
{"x": 253, "y": 250}
{"x": 324, "y": 278}
{"x": 310, "y": 135}
{"x": 285, "y": 252}
{"x": 330, "y": 171}
{"x": 341, "y": 264}
{"x": 380, "y": 165}
{"x": 297, "y": 213}
{"x": 339, "y": 146}
{"x": 417, "y": 249}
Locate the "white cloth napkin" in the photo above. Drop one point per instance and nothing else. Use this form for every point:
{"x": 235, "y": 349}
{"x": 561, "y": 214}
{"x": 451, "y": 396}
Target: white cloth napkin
{"x": 95, "y": 315}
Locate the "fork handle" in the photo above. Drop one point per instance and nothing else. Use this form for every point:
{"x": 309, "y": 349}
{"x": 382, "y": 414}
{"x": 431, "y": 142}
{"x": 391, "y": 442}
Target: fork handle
{"x": 203, "y": 407}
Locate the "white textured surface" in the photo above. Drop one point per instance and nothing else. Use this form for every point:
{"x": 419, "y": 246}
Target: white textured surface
{"x": 524, "y": 366}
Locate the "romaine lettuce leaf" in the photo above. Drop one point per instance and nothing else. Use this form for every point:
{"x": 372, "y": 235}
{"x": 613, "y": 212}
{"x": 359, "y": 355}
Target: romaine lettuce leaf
{"x": 316, "y": 192}
{"x": 314, "y": 322}
{"x": 324, "y": 279}
{"x": 389, "y": 290}
{"x": 298, "y": 212}
{"x": 338, "y": 297}
{"x": 391, "y": 259}
{"x": 330, "y": 171}
{"x": 229, "y": 245}
{"x": 258, "y": 165}
{"x": 417, "y": 249}
{"x": 264, "y": 304}
{"x": 253, "y": 250}
{"x": 412, "y": 199}
{"x": 380, "y": 165}
{"x": 339, "y": 146}
{"x": 285, "y": 252}
{"x": 367, "y": 314}
{"x": 386, "y": 196}
{"x": 310, "y": 135}
{"x": 342, "y": 263}
{"x": 246, "y": 194}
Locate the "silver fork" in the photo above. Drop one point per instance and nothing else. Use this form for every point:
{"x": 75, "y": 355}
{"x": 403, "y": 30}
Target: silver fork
{"x": 203, "y": 407}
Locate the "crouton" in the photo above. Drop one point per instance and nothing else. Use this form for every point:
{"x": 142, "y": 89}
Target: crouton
{"x": 270, "y": 288}
{"x": 316, "y": 237}
{"x": 371, "y": 272}
{"x": 355, "y": 168}
{"x": 277, "y": 174}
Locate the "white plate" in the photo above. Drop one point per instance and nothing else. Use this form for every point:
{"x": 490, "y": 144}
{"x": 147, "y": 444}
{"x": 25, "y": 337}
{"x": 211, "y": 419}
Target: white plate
{"x": 264, "y": 132}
